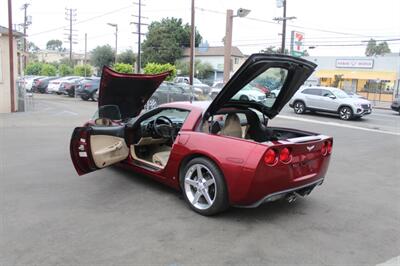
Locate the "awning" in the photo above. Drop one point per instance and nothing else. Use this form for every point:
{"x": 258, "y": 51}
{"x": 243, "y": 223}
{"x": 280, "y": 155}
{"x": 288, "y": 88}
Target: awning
{"x": 357, "y": 74}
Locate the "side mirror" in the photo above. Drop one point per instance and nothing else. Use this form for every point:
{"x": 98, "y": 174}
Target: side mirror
{"x": 111, "y": 112}
{"x": 332, "y": 97}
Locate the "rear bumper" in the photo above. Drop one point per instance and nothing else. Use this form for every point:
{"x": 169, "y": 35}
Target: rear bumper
{"x": 302, "y": 190}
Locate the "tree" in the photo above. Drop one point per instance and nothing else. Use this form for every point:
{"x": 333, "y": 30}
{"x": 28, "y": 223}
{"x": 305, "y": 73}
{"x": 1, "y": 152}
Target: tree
{"x": 48, "y": 70}
{"x": 123, "y": 68}
{"x": 154, "y": 68}
{"x": 203, "y": 70}
{"x": 33, "y": 68}
{"x": 83, "y": 70}
{"x": 165, "y": 40}
{"x": 55, "y": 45}
{"x": 376, "y": 49}
{"x": 102, "y": 56}
{"x": 273, "y": 50}
{"x": 32, "y": 48}
{"x": 127, "y": 57}
{"x": 65, "y": 70}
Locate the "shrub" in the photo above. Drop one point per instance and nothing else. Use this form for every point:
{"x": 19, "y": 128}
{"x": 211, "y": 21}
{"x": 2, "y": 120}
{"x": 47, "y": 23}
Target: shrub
{"x": 33, "y": 68}
{"x": 154, "y": 68}
{"x": 65, "y": 70}
{"x": 80, "y": 70}
{"x": 48, "y": 70}
{"x": 123, "y": 68}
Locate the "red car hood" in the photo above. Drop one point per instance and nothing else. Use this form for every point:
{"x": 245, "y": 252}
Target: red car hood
{"x": 129, "y": 92}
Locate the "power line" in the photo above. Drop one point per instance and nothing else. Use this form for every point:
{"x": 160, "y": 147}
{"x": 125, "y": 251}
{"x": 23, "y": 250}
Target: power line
{"x": 82, "y": 21}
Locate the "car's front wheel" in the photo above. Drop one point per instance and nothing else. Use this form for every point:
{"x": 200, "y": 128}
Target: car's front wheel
{"x": 299, "y": 107}
{"x": 345, "y": 113}
{"x": 204, "y": 187}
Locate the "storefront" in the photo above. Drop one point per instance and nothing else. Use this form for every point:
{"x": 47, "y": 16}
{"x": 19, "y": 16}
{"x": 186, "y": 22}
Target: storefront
{"x": 376, "y": 78}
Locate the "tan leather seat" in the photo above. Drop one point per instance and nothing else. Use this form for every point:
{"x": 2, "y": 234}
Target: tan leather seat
{"x": 232, "y": 126}
{"x": 161, "y": 158}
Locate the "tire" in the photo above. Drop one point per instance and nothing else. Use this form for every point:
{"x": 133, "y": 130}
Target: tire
{"x": 345, "y": 113}
{"x": 92, "y": 96}
{"x": 207, "y": 196}
{"x": 85, "y": 97}
{"x": 299, "y": 107}
{"x": 243, "y": 98}
{"x": 273, "y": 95}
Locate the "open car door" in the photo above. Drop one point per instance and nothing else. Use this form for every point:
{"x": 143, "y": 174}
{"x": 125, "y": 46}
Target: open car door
{"x": 96, "y": 147}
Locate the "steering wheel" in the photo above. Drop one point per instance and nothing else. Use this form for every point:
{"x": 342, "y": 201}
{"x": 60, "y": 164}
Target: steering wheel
{"x": 164, "y": 127}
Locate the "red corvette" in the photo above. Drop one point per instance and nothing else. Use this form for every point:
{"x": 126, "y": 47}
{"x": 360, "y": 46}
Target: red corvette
{"x": 220, "y": 153}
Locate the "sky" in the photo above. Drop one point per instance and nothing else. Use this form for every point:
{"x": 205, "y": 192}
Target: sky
{"x": 332, "y": 27}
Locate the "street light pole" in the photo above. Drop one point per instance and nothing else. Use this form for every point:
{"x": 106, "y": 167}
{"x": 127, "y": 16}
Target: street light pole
{"x": 228, "y": 45}
{"x": 241, "y": 12}
{"x": 283, "y": 28}
{"x": 116, "y": 38}
{"x": 192, "y": 45}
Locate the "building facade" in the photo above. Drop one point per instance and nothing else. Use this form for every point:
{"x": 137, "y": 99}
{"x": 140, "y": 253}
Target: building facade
{"x": 5, "y": 92}
{"x": 376, "y": 78}
{"x": 214, "y": 55}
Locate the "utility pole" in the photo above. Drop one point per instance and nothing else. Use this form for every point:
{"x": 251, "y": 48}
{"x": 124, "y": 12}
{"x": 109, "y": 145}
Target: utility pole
{"x": 71, "y": 16}
{"x": 11, "y": 54}
{"x": 228, "y": 45}
{"x": 192, "y": 45}
{"x": 282, "y": 3}
{"x": 116, "y": 39}
{"x": 139, "y": 33}
{"x": 27, "y": 22}
{"x": 84, "y": 60}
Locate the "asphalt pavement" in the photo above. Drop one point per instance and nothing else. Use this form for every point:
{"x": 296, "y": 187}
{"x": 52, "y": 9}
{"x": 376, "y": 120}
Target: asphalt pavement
{"x": 52, "y": 216}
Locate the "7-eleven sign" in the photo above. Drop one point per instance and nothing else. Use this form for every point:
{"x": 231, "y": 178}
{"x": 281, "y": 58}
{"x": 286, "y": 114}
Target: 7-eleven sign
{"x": 296, "y": 43}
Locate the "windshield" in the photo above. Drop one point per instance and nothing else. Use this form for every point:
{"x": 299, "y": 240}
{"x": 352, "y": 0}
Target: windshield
{"x": 258, "y": 90}
{"x": 340, "y": 94}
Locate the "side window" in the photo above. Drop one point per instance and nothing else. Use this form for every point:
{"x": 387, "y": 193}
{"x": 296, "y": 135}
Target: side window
{"x": 316, "y": 92}
{"x": 326, "y": 93}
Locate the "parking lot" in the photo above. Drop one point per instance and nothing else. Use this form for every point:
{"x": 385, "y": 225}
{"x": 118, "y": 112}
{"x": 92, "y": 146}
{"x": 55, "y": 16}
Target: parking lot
{"x": 50, "y": 215}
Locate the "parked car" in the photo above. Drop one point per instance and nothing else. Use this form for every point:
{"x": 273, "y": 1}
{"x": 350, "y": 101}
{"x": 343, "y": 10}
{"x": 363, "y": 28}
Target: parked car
{"x": 87, "y": 88}
{"x": 240, "y": 164}
{"x": 250, "y": 93}
{"x": 196, "y": 84}
{"x": 56, "y": 84}
{"x": 40, "y": 84}
{"x": 169, "y": 92}
{"x": 331, "y": 100}
{"x": 68, "y": 87}
{"x": 396, "y": 105}
{"x": 28, "y": 81}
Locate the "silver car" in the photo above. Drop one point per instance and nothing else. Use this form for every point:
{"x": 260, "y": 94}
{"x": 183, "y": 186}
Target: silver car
{"x": 331, "y": 100}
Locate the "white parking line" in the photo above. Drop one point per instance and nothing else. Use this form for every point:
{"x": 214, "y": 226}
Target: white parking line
{"x": 339, "y": 125}
{"x": 392, "y": 262}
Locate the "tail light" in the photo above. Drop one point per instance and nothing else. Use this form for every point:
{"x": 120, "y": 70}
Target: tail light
{"x": 324, "y": 148}
{"x": 285, "y": 156}
{"x": 329, "y": 147}
{"x": 271, "y": 157}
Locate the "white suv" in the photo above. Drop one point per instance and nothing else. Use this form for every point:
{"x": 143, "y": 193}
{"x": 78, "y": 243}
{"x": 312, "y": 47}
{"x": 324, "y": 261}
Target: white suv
{"x": 331, "y": 100}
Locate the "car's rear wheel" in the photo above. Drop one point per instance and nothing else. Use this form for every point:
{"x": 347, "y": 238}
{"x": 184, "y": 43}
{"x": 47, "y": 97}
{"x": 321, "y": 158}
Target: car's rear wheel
{"x": 273, "y": 95}
{"x": 345, "y": 113}
{"x": 85, "y": 97}
{"x": 299, "y": 107}
{"x": 204, "y": 187}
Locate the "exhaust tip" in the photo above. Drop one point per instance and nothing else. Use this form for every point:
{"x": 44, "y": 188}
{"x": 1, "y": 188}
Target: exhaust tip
{"x": 291, "y": 198}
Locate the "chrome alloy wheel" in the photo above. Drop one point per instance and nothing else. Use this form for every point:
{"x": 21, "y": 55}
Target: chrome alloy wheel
{"x": 299, "y": 108}
{"x": 345, "y": 113}
{"x": 151, "y": 104}
{"x": 200, "y": 187}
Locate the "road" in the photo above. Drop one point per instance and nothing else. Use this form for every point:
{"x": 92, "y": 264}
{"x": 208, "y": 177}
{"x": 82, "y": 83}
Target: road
{"x": 50, "y": 215}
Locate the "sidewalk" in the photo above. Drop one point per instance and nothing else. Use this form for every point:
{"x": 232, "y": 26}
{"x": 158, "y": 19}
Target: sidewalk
{"x": 381, "y": 105}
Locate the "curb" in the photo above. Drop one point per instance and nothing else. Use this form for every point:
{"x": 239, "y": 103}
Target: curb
{"x": 382, "y": 108}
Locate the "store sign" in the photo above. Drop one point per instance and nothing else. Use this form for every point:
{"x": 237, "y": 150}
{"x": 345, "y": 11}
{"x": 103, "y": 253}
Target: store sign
{"x": 355, "y": 63}
{"x": 296, "y": 43}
